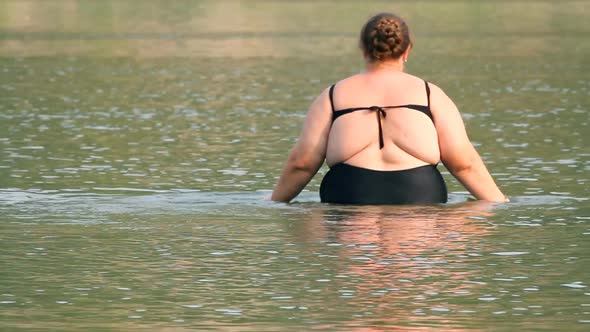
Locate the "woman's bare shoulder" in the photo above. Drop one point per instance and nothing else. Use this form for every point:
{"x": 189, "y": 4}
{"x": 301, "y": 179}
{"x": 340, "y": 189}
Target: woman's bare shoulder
{"x": 434, "y": 87}
{"x": 350, "y": 79}
{"x": 413, "y": 77}
{"x": 439, "y": 98}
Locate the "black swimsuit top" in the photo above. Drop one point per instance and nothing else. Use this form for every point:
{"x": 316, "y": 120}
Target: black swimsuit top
{"x": 380, "y": 110}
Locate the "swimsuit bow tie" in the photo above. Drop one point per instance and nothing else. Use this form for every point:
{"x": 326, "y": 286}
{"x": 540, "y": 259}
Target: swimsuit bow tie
{"x": 380, "y": 110}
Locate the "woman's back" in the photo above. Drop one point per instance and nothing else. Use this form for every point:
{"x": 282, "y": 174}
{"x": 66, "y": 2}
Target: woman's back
{"x": 409, "y": 136}
{"x": 383, "y": 132}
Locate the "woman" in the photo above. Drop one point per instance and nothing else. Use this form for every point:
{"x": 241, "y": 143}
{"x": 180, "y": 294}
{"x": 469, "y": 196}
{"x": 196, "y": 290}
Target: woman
{"x": 387, "y": 153}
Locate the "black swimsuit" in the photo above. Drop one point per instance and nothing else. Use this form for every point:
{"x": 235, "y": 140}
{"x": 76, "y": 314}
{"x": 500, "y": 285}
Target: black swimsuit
{"x": 347, "y": 184}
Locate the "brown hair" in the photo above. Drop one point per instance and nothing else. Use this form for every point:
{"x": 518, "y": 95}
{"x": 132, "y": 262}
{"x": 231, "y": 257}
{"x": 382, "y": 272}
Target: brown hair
{"x": 385, "y": 36}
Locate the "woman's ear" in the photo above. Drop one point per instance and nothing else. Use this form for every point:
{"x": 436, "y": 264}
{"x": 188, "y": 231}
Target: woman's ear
{"x": 406, "y": 54}
{"x": 363, "y": 52}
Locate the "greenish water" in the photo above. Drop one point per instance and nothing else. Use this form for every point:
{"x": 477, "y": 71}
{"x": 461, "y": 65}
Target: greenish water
{"x": 138, "y": 140}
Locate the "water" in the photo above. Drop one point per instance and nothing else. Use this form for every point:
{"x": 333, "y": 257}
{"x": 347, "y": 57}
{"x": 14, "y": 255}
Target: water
{"x": 138, "y": 142}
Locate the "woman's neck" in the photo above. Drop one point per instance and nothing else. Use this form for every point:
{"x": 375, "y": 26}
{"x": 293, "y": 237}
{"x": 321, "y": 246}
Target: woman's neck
{"x": 387, "y": 65}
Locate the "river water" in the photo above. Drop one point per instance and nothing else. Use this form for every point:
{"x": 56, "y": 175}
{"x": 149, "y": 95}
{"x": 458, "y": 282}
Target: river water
{"x": 139, "y": 139}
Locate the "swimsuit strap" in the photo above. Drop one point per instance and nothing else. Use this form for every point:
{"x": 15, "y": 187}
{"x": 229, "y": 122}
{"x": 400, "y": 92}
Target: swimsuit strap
{"x": 379, "y": 110}
{"x": 332, "y": 98}
{"x": 427, "y": 94}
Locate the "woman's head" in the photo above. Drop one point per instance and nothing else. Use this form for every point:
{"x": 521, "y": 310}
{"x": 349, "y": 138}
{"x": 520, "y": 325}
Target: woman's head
{"x": 385, "y": 36}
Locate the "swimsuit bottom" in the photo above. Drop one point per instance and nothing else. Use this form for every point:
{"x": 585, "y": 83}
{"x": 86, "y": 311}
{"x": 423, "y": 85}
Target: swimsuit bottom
{"x": 347, "y": 184}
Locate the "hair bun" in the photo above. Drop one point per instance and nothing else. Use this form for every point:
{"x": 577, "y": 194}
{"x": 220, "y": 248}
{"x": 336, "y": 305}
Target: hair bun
{"x": 387, "y": 28}
{"x": 385, "y": 36}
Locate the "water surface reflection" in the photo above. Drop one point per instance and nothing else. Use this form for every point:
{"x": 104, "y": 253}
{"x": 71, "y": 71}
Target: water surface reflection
{"x": 201, "y": 259}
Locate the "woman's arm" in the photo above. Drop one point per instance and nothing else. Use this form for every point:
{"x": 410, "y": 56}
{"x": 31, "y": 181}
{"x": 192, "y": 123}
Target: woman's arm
{"x": 309, "y": 152}
{"x": 457, "y": 152}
